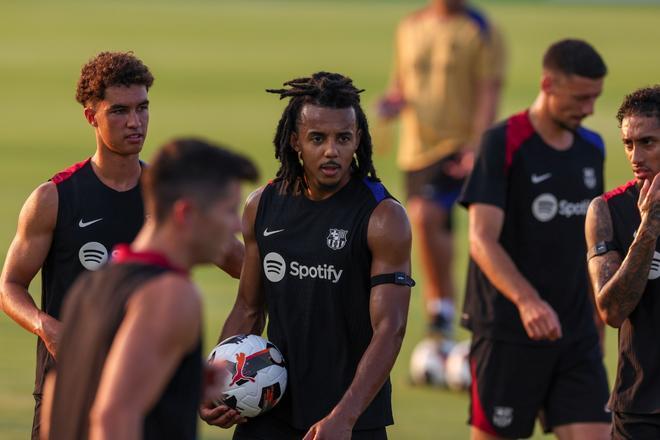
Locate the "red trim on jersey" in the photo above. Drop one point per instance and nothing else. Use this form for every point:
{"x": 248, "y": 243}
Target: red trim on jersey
{"x": 620, "y": 190}
{"x": 478, "y": 416}
{"x": 64, "y": 175}
{"x": 518, "y": 129}
{"x": 123, "y": 253}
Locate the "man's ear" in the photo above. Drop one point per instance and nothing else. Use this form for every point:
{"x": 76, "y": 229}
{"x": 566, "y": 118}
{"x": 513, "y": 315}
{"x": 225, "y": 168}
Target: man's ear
{"x": 182, "y": 211}
{"x": 547, "y": 82}
{"x": 90, "y": 115}
{"x": 294, "y": 142}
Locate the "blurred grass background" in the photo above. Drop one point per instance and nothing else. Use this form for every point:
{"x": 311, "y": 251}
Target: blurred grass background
{"x": 212, "y": 61}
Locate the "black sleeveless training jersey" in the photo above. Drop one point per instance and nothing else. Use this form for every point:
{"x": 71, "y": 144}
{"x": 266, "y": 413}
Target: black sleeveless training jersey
{"x": 316, "y": 277}
{"x": 544, "y": 194}
{"x": 637, "y": 386}
{"x": 92, "y": 314}
{"x": 91, "y": 219}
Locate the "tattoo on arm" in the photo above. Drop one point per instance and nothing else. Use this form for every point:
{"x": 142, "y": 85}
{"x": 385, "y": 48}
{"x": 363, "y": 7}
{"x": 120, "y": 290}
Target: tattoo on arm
{"x": 619, "y": 284}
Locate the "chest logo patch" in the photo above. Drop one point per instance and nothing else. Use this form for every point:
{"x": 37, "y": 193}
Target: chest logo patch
{"x": 502, "y": 416}
{"x": 544, "y": 207}
{"x": 589, "y": 175}
{"x": 274, "y": 267}
{"x": 93, "y": 255}
{"x": 538, "y": 178}
{"x": 84, "y": 224}
{"x": 654, "y": 273}
{"x": 336, "y": 239}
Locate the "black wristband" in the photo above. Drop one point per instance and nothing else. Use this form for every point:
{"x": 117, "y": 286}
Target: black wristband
{"x": 399, "y": 278}
{"x": 600, "y": 248}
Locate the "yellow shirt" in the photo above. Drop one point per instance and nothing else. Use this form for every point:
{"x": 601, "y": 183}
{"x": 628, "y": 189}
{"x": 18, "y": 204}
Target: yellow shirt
{"x": 438, "y": 64}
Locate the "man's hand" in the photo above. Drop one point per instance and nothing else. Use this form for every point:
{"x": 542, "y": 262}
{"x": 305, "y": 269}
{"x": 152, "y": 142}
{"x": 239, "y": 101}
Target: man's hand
{"x": 330, "y": 428}
{"x": 49, "y": 331}
{"x": 461, "y": 166}
{"x": 221, "y": 415}
{"x": 539, "y": 319}
{"x": 649, "y": 206}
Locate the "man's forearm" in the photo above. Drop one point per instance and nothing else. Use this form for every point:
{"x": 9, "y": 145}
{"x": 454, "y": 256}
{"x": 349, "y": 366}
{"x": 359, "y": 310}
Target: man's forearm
{"x": 486, "y": 109}
{"x": 624, "y": 284}
{"x": 243, "y": 320}
{"x": 19, "y": 306}
{"x": 372, "y": 371}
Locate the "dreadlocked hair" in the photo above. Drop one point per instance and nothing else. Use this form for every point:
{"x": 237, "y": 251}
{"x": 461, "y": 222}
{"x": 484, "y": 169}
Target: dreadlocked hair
{"x": 323, "y": 89}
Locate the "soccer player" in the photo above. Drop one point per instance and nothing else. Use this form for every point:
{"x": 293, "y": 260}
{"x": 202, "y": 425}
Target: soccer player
{"x": 71, "y": 223}
{"x": 327, "y": 258}
{"x": 622, "y": 230}
{"x": 535, "y": 347}
{"x": 130, "y": 361}
{"x": 449, "y": 66}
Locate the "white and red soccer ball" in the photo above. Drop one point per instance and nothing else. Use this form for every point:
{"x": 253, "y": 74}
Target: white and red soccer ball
{"x": 256, "y": 374}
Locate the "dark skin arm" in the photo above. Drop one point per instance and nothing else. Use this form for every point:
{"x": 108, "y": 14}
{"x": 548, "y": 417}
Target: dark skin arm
{"x": 619, "y": 283}
{"x": 233, "y": 261}
{"x": 25, "y": 257}
{"x": 389, "y": 240}
{"x": 249, "y": 312}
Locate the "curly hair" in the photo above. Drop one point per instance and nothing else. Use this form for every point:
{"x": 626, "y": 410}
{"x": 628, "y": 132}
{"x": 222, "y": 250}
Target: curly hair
{"x": 641, "y": 102}
{"x": 324, "y": 89}
{"x": 109, "y": 69}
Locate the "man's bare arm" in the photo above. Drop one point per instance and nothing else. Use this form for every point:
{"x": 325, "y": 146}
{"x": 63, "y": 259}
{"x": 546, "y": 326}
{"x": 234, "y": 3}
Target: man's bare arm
{"x": 233, "y": 261}
{"x": 389, "y": 240}
{"x": 26, "y": 255}
{"x": 248, "y": 314}
{"x": 619, "y": 284}
{"x": 162, "y": 324}
{"x": 485, "y": 226}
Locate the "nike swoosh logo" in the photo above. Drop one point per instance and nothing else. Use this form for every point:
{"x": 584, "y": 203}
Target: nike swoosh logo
{"x": 541, "y": 178}
{"x": 267, "y": 232}
{"x": 83, "y": 224}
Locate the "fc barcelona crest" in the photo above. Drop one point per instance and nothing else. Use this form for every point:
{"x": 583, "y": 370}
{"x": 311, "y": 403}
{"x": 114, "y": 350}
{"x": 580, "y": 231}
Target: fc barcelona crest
{"x": 336, "y": 239}
{"x": 589, "y": 175}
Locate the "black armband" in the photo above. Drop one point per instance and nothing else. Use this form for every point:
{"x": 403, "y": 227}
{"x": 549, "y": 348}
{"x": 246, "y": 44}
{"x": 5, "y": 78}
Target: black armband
{"x": 398, "y": 278}
{"x": 600, "y": 248}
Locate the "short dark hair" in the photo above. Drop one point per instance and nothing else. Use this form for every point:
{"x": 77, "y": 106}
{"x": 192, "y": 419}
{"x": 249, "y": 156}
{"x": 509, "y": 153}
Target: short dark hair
{"x": 574, "y": 57}
{"x": 109, "y": 69}
{"x": 641, "y": 102}
{"x": 194, "y": 168}
{"x": 324, "y": 89}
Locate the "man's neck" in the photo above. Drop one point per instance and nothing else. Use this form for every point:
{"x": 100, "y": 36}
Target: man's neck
{"x": 551, "y": 132}
{"x": 118, "y": 172}
{"x": 164, "y": 241}
{"x": 441, "y": 10}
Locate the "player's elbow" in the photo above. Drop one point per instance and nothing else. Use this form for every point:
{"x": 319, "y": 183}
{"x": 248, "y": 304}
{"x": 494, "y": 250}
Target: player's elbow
{"x": 609, "y": 314}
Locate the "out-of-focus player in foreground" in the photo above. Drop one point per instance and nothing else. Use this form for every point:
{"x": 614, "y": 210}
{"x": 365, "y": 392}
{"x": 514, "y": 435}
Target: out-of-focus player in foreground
{"x": 130, "y": 363}
{"x": 327, "y": 257}
{"x": 71, "y": 223}
{"x": 622, "y": 232}
{"x": 449, "y": 67}
{"x": 535, "y": 347}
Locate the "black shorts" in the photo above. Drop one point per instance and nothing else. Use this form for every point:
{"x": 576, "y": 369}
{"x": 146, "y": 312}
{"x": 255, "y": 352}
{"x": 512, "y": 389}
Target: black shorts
{"x": 513, "y": 384}
{"x": 433, "y": 183}
{"x": 627, "y": 426}
{"x": 270, "y": 428}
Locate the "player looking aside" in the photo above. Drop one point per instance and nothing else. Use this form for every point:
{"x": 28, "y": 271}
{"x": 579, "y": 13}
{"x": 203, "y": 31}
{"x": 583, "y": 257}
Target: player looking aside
{"x": 328, "y": 259}
{"x": 449, "y": 67}
{"x": 535, "y": 346}
{"x": 622, "y": 230}
{"x": 130, "y": 363}
{"x": 70, "y": 223}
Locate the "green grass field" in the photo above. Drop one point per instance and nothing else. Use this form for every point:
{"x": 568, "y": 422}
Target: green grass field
{"x": 212, "y": 61}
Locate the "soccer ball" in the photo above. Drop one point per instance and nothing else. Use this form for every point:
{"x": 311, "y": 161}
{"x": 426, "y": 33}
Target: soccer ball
{"x": 256, "y": 375}
{"x": 427, "y": 364}
{"x": 457, "y": 367}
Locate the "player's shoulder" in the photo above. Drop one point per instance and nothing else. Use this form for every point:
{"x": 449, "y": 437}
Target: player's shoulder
{"x": 389, "y": 221}
{"x": 40, "y": 209}
{"x": 620, "y": 191}
{"x": 171, "y": 294}
{"x": 67, "y": 173}
{"x": 592, "y": 138}
{"x": 480, "y": 20}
